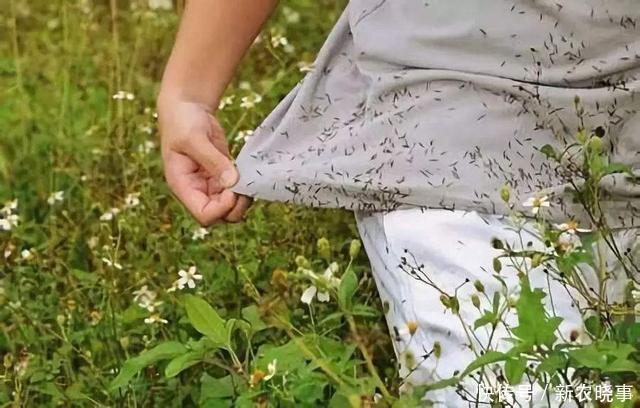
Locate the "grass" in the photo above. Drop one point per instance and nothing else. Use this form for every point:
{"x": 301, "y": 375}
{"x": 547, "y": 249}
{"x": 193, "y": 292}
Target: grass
{"x": 68, "y": 272}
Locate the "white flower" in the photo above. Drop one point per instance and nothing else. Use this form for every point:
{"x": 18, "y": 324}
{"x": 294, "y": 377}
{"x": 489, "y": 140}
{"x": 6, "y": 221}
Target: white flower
{"x": 199, "y": 234}
{"x": 226, "y": 101}
{"x": 305, "y": 66}
{"x": 132, "y": 200}
{"x": 248, "y": 102}
{"x": 188, "y": 278}
{"x": 143, "y": 292}
{"x": 155, "y": 318}
{"x": 324, "y": 282}
{"x": 571, "y": 227}
{"x": 568, "y": 241}
{"x": 536, "y": 202}
{"x": 243, "y": 135}
{"x": 160, "y": 4}
{"x": 279, "y": 40}
{"x": 93, "y": 242}
{"x": 146, "y": 298}
{"x": 146, "y": 147}
{"x": 290, "y": 15}
{"x": 56, "y": 197}
{"x": 149, "y": 304}
{"x": 146, "y": 129}
{"x": 9, "y": 207}
{"x": 122, "y": 95}
{"x": 8, "y": 219}
{"x": 6, "y": 224}
{"x": 26, "y": 254}
{"x": 109, "y": 215}
{"x": 635, "y": 293}
{"x": 110, "y": 263}
{"x": 8, "y": 250}
{"x": 271, "y": 370}
{"x": 310, "y": 292}
{"x": 409, "y": 329}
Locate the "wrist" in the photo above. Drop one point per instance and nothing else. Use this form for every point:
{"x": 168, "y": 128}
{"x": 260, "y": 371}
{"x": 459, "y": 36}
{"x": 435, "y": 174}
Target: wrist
{"x": 169, "y": 96}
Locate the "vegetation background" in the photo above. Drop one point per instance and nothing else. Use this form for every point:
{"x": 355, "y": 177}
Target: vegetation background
{"x": 111, "y": 295}
{"x": 93, "y": 221}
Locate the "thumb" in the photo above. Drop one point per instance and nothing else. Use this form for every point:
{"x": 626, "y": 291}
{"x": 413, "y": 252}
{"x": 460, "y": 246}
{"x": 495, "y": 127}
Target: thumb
{"x": 217, "y": 164}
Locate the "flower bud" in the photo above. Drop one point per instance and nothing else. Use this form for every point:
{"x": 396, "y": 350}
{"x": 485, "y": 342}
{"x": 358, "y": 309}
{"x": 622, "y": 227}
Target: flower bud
{"x": 455, "y": 305}
{"x": 475, "y": 300}
{"x": 497, "y": 243}
{"x": 354, "y": 248}
{"x": 302, "y": 262}
{"x": 412, "y": 326}
{"x": 595, "y": 144}
{"x": 124, "y": 342}
{"x": 437, "y": 349}
{"x": 324, "y": 248}
{"x": 505, "y": 194}
{"x": 444, "y": 299}
{"x": 536, "y": 260}
{"x": 479, "y": 286}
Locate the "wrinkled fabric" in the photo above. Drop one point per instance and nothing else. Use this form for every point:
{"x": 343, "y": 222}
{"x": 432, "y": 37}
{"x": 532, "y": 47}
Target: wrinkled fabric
{"x": 418, "y": 255}
{"x": 439, "y": 104}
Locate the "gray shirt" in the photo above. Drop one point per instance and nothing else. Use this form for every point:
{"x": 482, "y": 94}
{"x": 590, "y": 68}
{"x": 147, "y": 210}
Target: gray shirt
{"x": 440, "y": 103}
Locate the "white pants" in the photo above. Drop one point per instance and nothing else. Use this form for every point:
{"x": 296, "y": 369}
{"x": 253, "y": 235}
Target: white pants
{"x": 417, "y": 255}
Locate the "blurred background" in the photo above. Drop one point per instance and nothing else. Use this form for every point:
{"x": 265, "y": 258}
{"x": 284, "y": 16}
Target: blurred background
{"x": 88, "y": 227}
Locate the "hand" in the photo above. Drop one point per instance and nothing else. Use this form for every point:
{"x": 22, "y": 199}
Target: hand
{"x": 197, "y": 164}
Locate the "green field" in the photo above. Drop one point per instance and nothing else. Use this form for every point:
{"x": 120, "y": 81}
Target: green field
{"x": 71, "y": 152}
{"x": 112, "y": 295}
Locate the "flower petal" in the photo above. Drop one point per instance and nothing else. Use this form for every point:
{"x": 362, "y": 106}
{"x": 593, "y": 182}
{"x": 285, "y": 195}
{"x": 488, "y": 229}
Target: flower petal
{"x": 323, "y": 296}
{"x": 308, "y": 294}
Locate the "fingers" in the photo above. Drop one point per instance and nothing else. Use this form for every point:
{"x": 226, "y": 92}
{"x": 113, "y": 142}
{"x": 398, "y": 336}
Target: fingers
{"x": 238, "y": 211}
{"x": 191, "y": 187}
{"x": 202, "y": 150}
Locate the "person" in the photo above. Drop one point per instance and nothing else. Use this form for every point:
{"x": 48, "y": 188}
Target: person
{"x": 416, "y": 116}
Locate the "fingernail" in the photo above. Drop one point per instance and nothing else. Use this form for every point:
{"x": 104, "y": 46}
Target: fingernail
{"x": 228, "y": 178}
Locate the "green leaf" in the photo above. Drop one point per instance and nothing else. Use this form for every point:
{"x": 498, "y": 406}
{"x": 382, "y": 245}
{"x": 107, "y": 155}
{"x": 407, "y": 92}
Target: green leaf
{"x": 593, "y": 325}
{"x": 205, "y": 319}
{"x": 132, "y": 366}
{"x": 487, "y": 318}
{"x": 487, "y": 358}
{"x": 447, "y": 382}
{"x": 514, "y": 369}
{"x": 607, "y": 356}
{"x": 84, "y": 276}
{"x": 554, "y": 362}
{"x": 348, "y": 286}
{"x": 534, "y": 327}
{"x": 365, "y": 311}
{"x": 216, "y": 389}
{"x": 133, "y": 314}
{"x": 252, "y": 315}
{"x": 289, "y": 356}
{"x": 181, "y": 363}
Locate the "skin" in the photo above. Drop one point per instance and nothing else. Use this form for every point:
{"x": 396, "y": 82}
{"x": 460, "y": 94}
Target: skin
{"x": 212, "y": 39}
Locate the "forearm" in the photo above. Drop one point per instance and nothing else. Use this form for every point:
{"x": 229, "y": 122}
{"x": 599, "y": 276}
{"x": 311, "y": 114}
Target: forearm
{"x": 213, "y": 37}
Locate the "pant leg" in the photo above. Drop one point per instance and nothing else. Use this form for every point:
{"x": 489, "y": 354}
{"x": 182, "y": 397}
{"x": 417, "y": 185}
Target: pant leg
{"x": 417, "y": 255}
